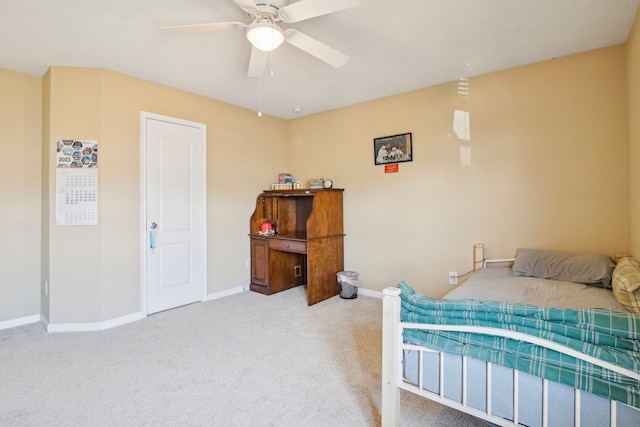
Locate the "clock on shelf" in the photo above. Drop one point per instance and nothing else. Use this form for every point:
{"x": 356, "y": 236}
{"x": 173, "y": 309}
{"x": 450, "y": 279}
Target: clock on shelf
{"x": 321, "y": 183}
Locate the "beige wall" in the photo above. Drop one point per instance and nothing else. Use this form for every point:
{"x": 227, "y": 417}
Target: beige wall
{"x": 44, "y": 215}
{"x": 548, "y": 169}
{"x": 20, "y": 135}
{"x": 105, "y": 106}
{"x": 633, "y": 75}
{"x": 74, "y": 256}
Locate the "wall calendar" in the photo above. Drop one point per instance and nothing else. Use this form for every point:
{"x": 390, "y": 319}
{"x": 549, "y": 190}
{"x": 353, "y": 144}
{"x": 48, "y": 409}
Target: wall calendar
{"x": 76, "y": 182}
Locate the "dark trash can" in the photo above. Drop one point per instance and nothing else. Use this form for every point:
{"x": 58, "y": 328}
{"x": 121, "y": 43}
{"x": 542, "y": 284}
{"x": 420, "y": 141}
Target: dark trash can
{"x": 348, "y": 281}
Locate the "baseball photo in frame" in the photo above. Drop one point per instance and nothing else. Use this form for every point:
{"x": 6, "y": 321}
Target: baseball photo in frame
{"x": 393, "y": 149}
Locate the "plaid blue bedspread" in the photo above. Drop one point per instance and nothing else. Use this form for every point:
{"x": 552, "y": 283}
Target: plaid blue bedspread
{"x": 608, "y": 335}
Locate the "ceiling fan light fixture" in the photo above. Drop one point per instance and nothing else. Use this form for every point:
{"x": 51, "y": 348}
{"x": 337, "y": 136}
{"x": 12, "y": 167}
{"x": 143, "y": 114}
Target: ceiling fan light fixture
{"x": 264, "y": 35}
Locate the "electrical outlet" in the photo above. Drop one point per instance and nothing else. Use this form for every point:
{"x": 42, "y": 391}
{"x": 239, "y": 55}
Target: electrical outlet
{"x": 247, "y": 263}
{"x": 453, "y": 278}
{"x": 46, "y": 288}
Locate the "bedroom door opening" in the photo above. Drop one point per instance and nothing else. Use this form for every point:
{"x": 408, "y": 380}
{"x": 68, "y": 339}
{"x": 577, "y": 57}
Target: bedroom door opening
{"x": 173, "y": 167}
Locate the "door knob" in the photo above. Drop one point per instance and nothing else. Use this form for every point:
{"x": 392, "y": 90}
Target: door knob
{"x": 153, "y": 226}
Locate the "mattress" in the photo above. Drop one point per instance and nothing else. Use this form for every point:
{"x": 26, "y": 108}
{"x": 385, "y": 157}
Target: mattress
{"x": 499, "y": 284}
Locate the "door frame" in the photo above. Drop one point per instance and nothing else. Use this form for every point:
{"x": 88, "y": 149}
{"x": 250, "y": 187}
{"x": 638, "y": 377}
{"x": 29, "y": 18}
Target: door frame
{"x": 144, "y": 116}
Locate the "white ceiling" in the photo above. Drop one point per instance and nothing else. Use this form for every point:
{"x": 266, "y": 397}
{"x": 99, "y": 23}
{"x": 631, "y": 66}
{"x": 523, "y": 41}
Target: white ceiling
{"x": 394, "y": 45}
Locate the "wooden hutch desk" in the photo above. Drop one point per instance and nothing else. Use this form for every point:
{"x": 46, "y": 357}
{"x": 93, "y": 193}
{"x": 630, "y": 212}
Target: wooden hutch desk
{"x": 308, "y": 246}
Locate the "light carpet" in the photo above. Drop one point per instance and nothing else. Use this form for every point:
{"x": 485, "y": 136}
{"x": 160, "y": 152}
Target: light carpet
{"x": 243, "y": 360}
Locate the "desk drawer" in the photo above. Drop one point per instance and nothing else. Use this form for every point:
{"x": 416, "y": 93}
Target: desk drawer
{"x": 288, "y": 245}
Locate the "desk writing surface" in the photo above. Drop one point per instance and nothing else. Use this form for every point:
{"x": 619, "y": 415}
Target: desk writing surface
{"x": 296, "y": 235}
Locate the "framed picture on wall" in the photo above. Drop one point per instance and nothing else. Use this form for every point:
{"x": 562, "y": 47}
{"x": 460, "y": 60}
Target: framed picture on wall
{"x": 392, "y": 149}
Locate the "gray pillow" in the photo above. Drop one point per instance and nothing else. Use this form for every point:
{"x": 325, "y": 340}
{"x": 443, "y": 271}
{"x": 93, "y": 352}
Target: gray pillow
{"x": 589, "y": 269}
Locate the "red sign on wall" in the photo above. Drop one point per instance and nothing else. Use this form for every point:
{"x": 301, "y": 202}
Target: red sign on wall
{"x": 391, "y": 168}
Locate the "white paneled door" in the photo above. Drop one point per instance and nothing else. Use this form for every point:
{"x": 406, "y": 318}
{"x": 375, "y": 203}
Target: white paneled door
{"x": 174, "y": 173}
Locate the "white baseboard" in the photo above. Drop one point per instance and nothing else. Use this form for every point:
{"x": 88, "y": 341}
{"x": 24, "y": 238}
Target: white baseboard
{"x": 99, "y": 326}
{"x": 20, "y": 322}
{"x": 239, "y": 289}
{"x": 94, "y": 326}
{"x": 118, "y": 321}
{"x": 226, "y": 293}
{"x": 369, "y": 293}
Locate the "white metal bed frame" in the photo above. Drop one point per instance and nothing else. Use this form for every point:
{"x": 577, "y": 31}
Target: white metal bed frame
{"x": 393, "y": 349}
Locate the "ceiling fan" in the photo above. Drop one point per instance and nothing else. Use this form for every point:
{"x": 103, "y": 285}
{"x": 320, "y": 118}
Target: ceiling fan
{"x": 265, "y": 35}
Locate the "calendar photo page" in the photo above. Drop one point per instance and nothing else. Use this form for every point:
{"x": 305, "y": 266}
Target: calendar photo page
{"x": 76, "y": 182}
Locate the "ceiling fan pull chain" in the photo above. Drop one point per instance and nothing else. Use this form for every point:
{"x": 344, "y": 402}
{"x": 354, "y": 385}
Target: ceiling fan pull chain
{"x": 259, "y": 96}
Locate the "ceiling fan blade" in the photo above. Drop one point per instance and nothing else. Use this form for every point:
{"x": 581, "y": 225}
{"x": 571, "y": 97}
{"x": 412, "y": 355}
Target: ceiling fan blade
{"x": 200, "y": 28}
{"x": 258, "y": 62}
{"x": 307, "y": 9}
{"x": 315, "y": 48}
{"x": 246, "y": 5}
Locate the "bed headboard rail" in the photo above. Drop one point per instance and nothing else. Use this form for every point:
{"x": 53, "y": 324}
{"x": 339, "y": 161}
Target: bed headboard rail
{"x": 479, "y": 260}
{"x": 478, "y": 256}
